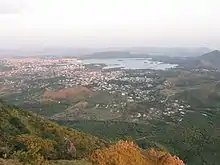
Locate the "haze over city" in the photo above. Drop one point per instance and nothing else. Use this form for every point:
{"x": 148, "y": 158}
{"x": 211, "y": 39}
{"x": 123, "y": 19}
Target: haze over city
{"x": 109, "y": 23}
{"x": 109, "y": 82}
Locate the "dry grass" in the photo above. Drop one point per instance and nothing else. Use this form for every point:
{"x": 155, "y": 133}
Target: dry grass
{"x": 9, "y": 162}
{"x": 57, "y": 162}
{"x": 128, "y": 153}
{"x": 81, "y": 104}
{"x": 4, "y": 89}
{"x": 68, "y": 162}
{"x": 68, "y": 93}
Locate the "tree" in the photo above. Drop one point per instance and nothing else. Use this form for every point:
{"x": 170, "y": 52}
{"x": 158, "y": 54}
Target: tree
{"x": 128, "y": 153}
{"x": 36, "y": 149}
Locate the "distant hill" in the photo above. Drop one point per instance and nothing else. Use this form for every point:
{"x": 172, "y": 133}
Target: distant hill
{"x": 114, "y": 54}
{"x": 171, "y": 51}
{"x": 126, "y": 52}
{"x": 209, "y": 60}
{"x": 211, "y": 55}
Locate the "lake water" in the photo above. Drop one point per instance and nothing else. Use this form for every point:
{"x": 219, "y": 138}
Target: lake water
{"x": 130, "y": 63}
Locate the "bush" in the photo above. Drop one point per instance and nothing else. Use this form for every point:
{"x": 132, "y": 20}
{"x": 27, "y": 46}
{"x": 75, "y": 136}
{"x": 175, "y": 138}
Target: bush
{"x": 128, "y": 153}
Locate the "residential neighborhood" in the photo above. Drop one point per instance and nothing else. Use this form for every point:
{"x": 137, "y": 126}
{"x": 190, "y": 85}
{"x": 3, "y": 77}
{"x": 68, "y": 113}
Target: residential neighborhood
{"x": 135, "y": 94}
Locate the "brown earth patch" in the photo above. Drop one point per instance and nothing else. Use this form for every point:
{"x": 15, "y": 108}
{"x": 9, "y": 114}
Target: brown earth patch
{"x": 81, "y": 104}
{"x": 68, "y": 93}
{"x": 4, "y": 89}
{"x": 9, "y": 162}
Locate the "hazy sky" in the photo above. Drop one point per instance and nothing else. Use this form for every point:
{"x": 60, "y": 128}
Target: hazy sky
{"x": 109, "y": 23}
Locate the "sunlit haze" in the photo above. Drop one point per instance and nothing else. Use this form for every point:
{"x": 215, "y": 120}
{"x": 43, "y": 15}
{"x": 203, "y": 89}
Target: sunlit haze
{"x": 94, "y": 23}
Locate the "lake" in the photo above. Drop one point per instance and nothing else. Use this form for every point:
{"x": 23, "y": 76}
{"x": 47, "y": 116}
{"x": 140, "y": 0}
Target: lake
{"x": 130, "y": 63}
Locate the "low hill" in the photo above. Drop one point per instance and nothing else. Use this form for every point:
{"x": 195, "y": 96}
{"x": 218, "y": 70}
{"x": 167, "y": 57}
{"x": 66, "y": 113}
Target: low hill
{"x": 211, "y": 56}
{"x": 210, "y": 60}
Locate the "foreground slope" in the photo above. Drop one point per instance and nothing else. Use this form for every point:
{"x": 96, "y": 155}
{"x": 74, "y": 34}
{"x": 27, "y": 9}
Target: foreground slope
{"x": 27, "y": 138}
{"x": 195, "y": 139}
{"x": 18, "y": 126}
{"x": 128, "y": 153}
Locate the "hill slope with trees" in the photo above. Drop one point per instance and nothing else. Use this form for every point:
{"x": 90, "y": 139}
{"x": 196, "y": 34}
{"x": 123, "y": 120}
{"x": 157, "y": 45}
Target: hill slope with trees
{"x": 27, "y": 138}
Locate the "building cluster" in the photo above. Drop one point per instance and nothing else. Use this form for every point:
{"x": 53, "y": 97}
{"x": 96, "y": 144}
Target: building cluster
{"x": 29, "y": 73}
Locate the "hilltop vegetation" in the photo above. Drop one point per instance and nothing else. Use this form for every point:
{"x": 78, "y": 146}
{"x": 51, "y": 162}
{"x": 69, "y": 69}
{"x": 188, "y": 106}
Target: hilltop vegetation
{"x": 127, "y": 153}
{"x": 31, "y": 139}
{"x": 22, "y": 131}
